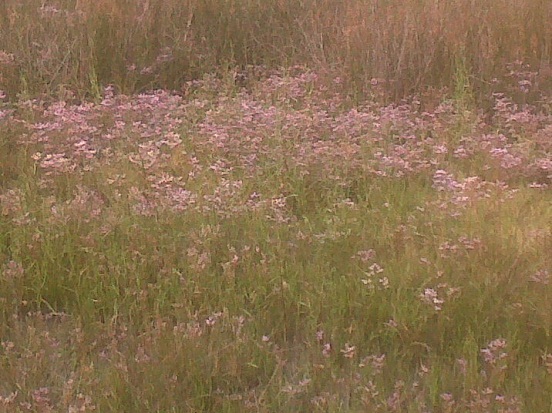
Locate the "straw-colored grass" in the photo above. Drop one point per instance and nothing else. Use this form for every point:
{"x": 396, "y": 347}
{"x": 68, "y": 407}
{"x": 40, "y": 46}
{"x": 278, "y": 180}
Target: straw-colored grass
{"x": 75, "y": 46}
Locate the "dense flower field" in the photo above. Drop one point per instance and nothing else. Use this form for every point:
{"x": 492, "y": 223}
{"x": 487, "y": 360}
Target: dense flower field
{"x": 275, "y": 247}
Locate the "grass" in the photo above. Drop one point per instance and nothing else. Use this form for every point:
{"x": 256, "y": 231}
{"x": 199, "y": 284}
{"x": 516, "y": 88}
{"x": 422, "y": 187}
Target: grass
{"x": 361, "y": 222}
{"x": 70, "y": 48}
{"x": 273, "y": 250}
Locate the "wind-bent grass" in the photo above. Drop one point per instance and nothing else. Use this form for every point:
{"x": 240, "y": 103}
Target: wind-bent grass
{"x": 273, "y": 250}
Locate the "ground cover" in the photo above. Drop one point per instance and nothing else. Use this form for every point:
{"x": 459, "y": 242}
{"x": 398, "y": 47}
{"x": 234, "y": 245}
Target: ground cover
{"x": 275, "y": 247}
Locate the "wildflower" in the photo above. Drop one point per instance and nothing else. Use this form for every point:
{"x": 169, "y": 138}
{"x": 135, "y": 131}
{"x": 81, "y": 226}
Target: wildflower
{"x": 365, "y": 255}
{"x": 423, "y": 370}
{"x": 376, "y": 362}
{"x": 547, "y": 359}
{"x": 8, "y": 399}
{"x": 541, "y": 277}
{"x": 391, "y": 323}
{"x": 384, "y": 283}
{"x": 375, "y": 269}
{"x": 394, "y": 401}
{"x": 13, "y": 270}
{"x": 494, "y": 353}
{"x": 320, "y": 335}
{"x": 6, "y": 58}
{"x": 431, "y": 297}
{"x": 443, "y": 181}
{"x": 348, "y": 351}
{"x": 212, "y": 319}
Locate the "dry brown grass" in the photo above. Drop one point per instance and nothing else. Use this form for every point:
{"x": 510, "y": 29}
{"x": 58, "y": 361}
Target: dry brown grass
{"x": 80, "y": 45}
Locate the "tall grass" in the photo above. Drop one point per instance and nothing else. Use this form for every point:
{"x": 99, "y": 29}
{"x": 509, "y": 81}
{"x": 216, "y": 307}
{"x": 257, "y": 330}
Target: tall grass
{"x": 67, "y": 47}
{"x": 212, "y": 206}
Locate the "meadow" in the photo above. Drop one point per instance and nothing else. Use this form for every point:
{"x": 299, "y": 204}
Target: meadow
{"x": 275, "y": 206}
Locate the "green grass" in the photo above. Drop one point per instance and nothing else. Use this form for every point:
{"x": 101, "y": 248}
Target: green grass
{"x": 229, "y": 306}
{"x": 287, "y": 242}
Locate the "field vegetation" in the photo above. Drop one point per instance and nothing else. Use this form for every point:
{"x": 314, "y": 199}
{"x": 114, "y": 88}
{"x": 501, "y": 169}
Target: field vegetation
{"x": 275, "y": 206}
{"x": 65, "y": 47}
